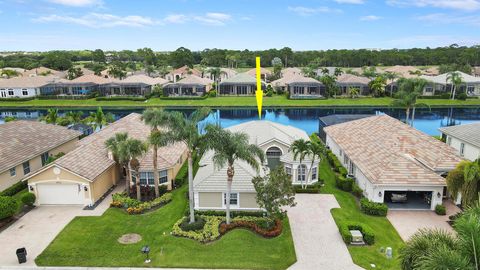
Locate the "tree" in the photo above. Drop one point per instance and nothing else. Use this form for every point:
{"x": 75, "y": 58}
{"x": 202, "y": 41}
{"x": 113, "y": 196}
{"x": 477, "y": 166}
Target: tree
{"x": 51, "y": 117}
{"x": 353, "y": 92}
{"x": 117, "y": 70}
{"x": 134, "y": 149}
{"x": 98, "y": 56}
{"x": 317, "y": 151}
{"x": 369, "y": 72}
{"x": 9, "y": 73}
{"x": 277, "y": 67}
{"x": 464, "y": 180}
{"x": 9, "y": 119}
{"x": 301, "y": 149}
{"x": 97, "y": 69}
{"x": 114, "y": 145}
{"x": 230, "y": 147}
{"x": 181, "y": 57}
{"x": 99, "y": 119}
{"x": 391, "y": 76}
{"x": 377, "y": 86}
{"x": 74, "y": 117}
{"x": 73, "y": 73}
{"x": 274, "y": 191}
{"x": 406, "y": 97}
{"x": 186, "y": 129}
{"x": 156, "y": 119}
{"x": 58, "y": 60}
{"x": 455, "y": 78}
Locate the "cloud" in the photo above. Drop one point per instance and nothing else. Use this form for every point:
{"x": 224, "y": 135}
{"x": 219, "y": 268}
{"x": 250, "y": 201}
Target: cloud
{"x": 442, "y": 18}
{"x": 465, "y": 5}
{"x": 77, "y": 3}
{"x": 370, "y": 18}
{"x": 176, "y": 18}
{"x": 100, "y": 20}
{"x": 358, "y": 2}
{"x": 307, "y": 11}
{"x": 213, "y": 18}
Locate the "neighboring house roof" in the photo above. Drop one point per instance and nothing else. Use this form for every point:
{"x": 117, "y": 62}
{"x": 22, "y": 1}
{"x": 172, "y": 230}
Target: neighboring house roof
{"x": 442, "y": 78}
{"x": 334, "y": 119}
{"x": 27, "y": 82}
{"x": 43, "y": 70}
{"x": 291, "y": 71}
{"x": 403, "y": 71}
{"x": 469, "y": 133}
{"x": 192, "y": 80}
{"x": 253, "y": 72}
{"x": 87, "y": 79}
{"x": 295, "y": 79}
{"x": 90, "y": 159}
{"x": 389, "y": 152}
{"x": 352, "y": 79}
{"x": 186, "y": 70}
{"x": 23, "y": 140}
{"x": 140, "y": 78}
{"x": 241, "y": 78}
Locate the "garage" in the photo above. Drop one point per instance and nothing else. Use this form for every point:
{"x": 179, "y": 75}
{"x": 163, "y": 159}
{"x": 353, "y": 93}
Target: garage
{"x": 60, "y": 193}
{"x": 409, "y": 200}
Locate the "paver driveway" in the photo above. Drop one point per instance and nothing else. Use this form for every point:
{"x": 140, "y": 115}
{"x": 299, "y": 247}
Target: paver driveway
{"x": 318, "y": 243}
{"x": 39, "y": 227}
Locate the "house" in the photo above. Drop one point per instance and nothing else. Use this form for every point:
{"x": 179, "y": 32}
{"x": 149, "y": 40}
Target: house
{"x": 275, "y": 140}
{"x": 299, "y": 86}
{"x": 84, "y": 175}
{"x": 24, "y": 87}
{"x": 225, "y": 73}
{"x": 348, "y": 81}
{"x": 464, "y": 138}
{"x": 264, "y": 73}
{"x": 240, "y": 84}
{"x": 335, "y": 119}
{"x": 403, "y": 71}
{"x": 389, "y": 159}
{"x": 291, "y": 71}
{"x": 191, "y": 85}
{"x": 43, "y": 71}
{"x": 81, "y": 86}
{"x": 181, "y": 73}
{"x": 25, "y": 147}
{"x": 439, "y": 84}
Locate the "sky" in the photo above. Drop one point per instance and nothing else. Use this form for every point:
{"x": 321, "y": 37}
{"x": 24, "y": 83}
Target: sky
{"x": 164, "y": 25}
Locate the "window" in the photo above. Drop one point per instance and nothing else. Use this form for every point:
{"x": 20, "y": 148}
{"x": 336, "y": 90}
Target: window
{"x": 314, "y": 173}
{"x": 345, "y": 159}
{"x": 26, "y": 167}
{"x": 301, "y": 172}
{"x": 163, "y": 176}
{"x": 146, "y": 178}
{"x": 10, "y": 93}
{"x": 233, "y": 199}
{"x": 44, "y": 158}
{"x": 462, "y": 149}
{"x": 288, "y": 171}
{"x": 352, "y": 169}
{"x": 25, "y": 92}
{"x": 428, "y": 89}
{"x": 273, "y": 157}
{"x": 341, "y": 153}
{"x": 13, "y": 172}
{"x": 449, "y": 140}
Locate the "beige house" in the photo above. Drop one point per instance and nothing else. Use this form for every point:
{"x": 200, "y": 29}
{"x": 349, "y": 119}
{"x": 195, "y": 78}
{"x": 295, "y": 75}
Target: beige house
{"x": 25, "y": 147}
{"x": 83, "y": 176}
{"x": 182, "y": 72}
{"x": 190, "y": 85}
{"x": 299, "y": 86}
{"x": 241, "y": 84}
{"x": 275, "y": 140}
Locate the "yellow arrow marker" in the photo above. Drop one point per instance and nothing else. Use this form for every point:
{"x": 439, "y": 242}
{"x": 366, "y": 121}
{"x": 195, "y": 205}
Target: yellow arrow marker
{"x": 259, "y": 92}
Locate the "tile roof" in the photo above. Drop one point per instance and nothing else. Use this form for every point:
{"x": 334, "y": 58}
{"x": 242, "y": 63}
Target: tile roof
{"x": 442, "y": 78}
{"x": 27, "y": 82}
{"x": 293, "y": 78}
{"x": 389, "y": 152}
{"x": 253, "y": 72}
{"x": 192, "y": 80}
{"x": 240, "y": 78}
{"x": 186, "y": 70}
{"x": 469, "y": 133}
{"x": 352, "y": 79}
{"x": 291, "y": 71}
{"x": 23, "y": 140}
{"x": 90, "y": 78}
{"x": 141, "y": 78}
{"x": 91, "y": 158}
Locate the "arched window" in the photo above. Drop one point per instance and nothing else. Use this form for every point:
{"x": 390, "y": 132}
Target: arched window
{"x": 301, "y": 173}
{"x": 273, "y": 157}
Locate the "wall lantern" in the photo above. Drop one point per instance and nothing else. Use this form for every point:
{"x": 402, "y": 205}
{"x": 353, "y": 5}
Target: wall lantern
{"x": 146, "y": 250}
{"x": 85, "y": 188}
{"x": 379, "y": 194}
{"x": 439, "y": 195}
{"x": 30, "y": 188}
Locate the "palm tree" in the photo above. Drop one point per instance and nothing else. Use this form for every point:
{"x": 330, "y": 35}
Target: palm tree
{"x": 465, "y": 180}
{"x": 378, "y": 85}
{"x": 133, "y": 150}
{"x": 456, "y": 79}
{"x": 407, "y": 95}
{"x": 391, "y": 76}
{"x": 74, "y": 117}
{"x": 353, "y": 92}
{"x": 228, "y": 148}
{"x": 114, "y": 145}
{"x": 99, "y": 119}
{"x": 51, "y": 117}
{"x": 301, "y": 149}
{"x": 156, "y": 118}
{"x": 186, "y": 130}
{"x": 317, "y": 150}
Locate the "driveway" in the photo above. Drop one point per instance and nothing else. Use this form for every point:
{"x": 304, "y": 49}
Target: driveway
{"x": 408, "y": 222}
{"x": 318, "y": 243}
{"x": 36, "y": 229}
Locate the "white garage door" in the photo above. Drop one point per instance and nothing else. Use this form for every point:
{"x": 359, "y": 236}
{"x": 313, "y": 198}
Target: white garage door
{"x": 62, "y": 193}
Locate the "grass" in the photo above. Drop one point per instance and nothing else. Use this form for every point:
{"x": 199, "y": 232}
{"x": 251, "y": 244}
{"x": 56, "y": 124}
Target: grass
{"x": 275, "y": 101}
{"x": 92, "y": 241}
{"x": 385, "y": 233}
{"x": 18, "y": 197}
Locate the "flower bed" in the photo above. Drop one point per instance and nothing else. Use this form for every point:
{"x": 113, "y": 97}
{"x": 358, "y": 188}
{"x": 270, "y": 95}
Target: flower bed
{"x": 209, "y": 232}
{"x": 253, "y": 225}
{"x": 135, "y": 207}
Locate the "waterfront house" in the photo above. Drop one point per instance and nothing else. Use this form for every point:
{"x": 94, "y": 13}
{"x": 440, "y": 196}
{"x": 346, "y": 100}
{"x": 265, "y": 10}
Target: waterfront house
{"x": 299, "y": 86}
{"x": 389, "y": 159}
{"x": 25, "y": 147}
{"x": 191, "y": 85}
{"x": 182, "y": 72}
{"x": 24, "y": 87}
{"x": 289, "y": 71}
{"x": 464, "y": 138}
{"x": 264, "y": 73}
{"x": 84, "y": 175}
{"x": 347, "y": 81}
{"x": 225, "y": 73}
{"x": 242, "y": 84}
{"x": 439, "y": 84}
{"x": 275, "y": 140}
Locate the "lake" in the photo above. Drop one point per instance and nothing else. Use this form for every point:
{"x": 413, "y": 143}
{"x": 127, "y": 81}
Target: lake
{"x": 426, "y": 120}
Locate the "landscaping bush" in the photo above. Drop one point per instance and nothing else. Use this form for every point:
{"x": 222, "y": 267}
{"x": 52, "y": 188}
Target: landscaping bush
{"x": 28, "y": 198}
{"x": 157, "y": 202}
{"x": 8, "y": 207}
{"x": 441, "y": 96}
{"x": 212, "y": 93}
{"x": 17, "y": 99}
{"x": 462, "y": 96}
{"x": 440, "y": 210}
{"x": 209, "y": 233}
{"x": 184, "y": 98}
{"x": 315, "y": 188}
{"x": 195, "y": 226}
{"x": 367, "y": 232}
{"x": 252, "y": 224}
{"x": 135, "y": 207}
{"x": 342, "y": 170}
{"x": 114, "y": 98}
{"x": 357, "y": 191}
{"x": 125, "y": 201}
{"x": 373, "y": 208}
{"x": 345, "y": 184}
{"x": 14, "y": 189}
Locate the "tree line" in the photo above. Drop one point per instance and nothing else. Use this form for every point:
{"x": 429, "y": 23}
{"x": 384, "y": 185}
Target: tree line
{"x": 145, "y": 57}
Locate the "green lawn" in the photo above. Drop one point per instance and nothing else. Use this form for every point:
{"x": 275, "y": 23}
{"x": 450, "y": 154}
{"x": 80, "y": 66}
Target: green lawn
{"x": 92, "y": 241}
{"x": 275, "y": 101}
{"x": 385, "y": 233}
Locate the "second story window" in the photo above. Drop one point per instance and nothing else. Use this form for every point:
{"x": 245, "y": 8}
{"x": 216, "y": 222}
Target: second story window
{"x": 26, "y": 168}
{"x": 44, "y": 158}
{"x": 462, "y": 149}
{"x": 13, "y": 172}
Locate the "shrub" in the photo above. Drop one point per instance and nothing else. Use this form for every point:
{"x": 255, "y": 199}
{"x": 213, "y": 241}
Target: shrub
{"x": 157, "y": 202}
{"x": 462, "y": 96}
{"x": 195, "y": 226}
{"x": 184, "y": 98}
{"x": 28, "y": 198}
{"x": 17, "y": 99}
{"x": 440, "y": 210}
{"x": 209, "y": 233}
{"x": 8, "y": 207}
{"x": 367, "y": 232}
{"x": 125, "y": 201}
{"x": 357, "y": 191}
{"x": 345, "y": 184}
{"x": 373, "y": 208}
{"x": 342, "y": 170}
{"x": 252, "y": 224}
{"x": 212, "y": 93}
{"x": 14, "y": 189}
{"x": 121, "y": 98}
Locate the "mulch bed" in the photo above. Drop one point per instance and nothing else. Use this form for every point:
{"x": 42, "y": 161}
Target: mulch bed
{"x": 130, "y": 238}
{"x": 252, "y": 226}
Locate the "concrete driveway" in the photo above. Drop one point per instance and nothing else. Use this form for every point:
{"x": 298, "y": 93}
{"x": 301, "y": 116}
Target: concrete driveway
{"x": 36, "y": 229}
{"x": 318, "y": 243}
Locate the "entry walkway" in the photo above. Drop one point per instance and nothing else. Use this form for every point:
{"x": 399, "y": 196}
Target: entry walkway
{"x": 318, "y": 243}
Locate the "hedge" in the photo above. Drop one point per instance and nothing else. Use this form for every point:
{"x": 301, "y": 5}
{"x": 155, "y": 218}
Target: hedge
{"x": 14, "y": 189}
{"x": 28, "y": 198}
{"x": 115, "y": 98}
{"x": 182, "y": 174}
{"x": 373, "y": 208}
{"x": 442, "y": 96}
{"x": 343, "y": 183}
{"x": 8, "y": 207}
{"x": 440, "y": 210}
{"x": 367, "y": 232}
{"x": 17, "y": 99}
{"x": 185, "y": 98}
